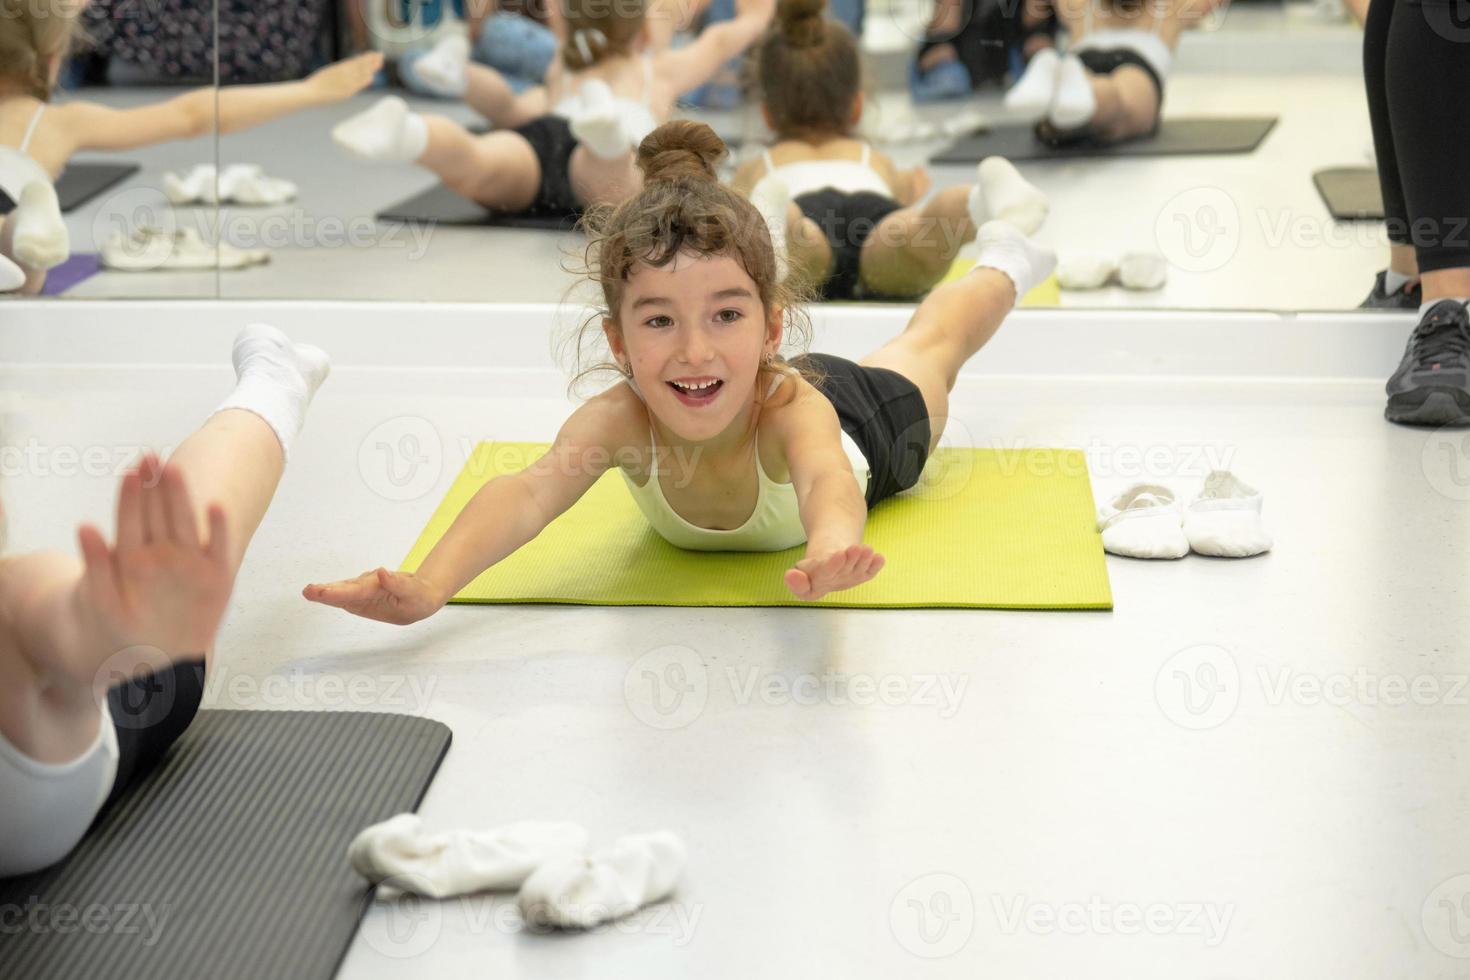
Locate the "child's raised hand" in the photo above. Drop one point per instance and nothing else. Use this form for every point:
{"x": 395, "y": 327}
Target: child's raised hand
{"x": 399, "y": 598}
{"x": 816, "y": 575}
{"x": 347, "y": 77}
{"x": 160, "y": 586}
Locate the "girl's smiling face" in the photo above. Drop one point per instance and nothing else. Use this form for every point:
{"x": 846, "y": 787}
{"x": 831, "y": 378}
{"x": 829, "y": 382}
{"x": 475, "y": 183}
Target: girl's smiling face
{"x": 694, "y": 333}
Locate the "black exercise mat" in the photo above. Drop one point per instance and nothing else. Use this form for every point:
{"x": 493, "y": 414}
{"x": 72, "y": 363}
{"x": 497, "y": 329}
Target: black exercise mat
{"x": 80, "y": 182}
{"x": 440, "y": 205}
{"x": 229, "y": 859}
{"x": 1176, "y": 137}
{"x": 1351, "y": 193}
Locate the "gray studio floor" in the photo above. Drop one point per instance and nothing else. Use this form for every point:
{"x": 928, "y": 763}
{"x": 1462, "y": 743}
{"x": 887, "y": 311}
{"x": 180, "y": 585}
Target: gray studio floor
{"x": 1283, "y": 251}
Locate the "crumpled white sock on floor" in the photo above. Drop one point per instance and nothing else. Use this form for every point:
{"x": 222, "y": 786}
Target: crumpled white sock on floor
{"x": 1225, "y": 519}
{"x": 1037, "y": 86}
{"x": 772, "y": 198}
{"x": 1085, "y": 270}
{"x": 1005, "y": 249}
{"x": 388, "y": 131}
{"x": 276, "y": 379}
{"x": 579, "y": 892}
{"x": 458, "y": 862}
{"x": 1143, "y": 270}
{"x": 40, "y": 239}
{"x": 12, "y": 276}
{"x": 1001, "y": 192}
{"x": 1144, "y": 521}
{"x": 443, "y": 70}
{"x": 1074, "y": 104}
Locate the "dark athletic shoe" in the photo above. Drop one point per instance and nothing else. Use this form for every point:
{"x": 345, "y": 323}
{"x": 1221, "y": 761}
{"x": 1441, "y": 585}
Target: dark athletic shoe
{"x": 1410, "y": 296}
{"x": 1432, "y": 384}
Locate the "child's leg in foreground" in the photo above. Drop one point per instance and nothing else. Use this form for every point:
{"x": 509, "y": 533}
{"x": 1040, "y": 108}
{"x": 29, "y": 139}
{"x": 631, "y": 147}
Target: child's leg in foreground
{"x": 958, "y": 318}
{"x": 912, "y": 249}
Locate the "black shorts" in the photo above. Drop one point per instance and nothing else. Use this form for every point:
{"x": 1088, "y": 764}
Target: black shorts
{"x": 848, "y": 221}
{"x": 884, "y": 413}
{"x": 150, "y": 713}
{"x": 551, "y": 137}
{"x": 1105, "y": 61}
{"x": 7, "y": 203}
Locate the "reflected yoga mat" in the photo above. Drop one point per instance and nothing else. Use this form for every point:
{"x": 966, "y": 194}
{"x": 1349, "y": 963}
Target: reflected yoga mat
{"x": 1176, "y": 137}
{"x": 1351, "y": 193}
{"x": 80, "y": 182}
{"x": 1000, "y": 529}
{"x": 230, "y": 858}
{"x": 440, "y": 205}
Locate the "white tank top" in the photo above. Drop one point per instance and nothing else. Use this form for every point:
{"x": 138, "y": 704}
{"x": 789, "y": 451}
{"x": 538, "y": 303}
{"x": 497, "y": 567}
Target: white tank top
{"x": 848, "y": 176}
{"x": 773, "y": 525}
{"x": 17, "y": 168}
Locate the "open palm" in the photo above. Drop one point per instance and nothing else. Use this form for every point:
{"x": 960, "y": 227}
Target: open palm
{"x": 388, "y": 597}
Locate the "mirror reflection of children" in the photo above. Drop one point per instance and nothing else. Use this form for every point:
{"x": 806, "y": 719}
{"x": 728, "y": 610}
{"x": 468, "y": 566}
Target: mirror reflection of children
{"x": 37, "y": 139}
{"x": 844, "y": 217}
{"x": 569, "y": 144}
{"x": 724, "y": 444}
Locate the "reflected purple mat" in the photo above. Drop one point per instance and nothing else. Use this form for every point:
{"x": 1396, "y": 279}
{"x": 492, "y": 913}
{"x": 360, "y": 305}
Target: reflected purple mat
{"x": 78, "y": 268}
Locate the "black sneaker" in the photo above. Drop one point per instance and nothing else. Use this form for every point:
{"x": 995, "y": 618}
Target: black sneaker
{"x": 1410, "y": 296}
{"x": 1432, "y": 384}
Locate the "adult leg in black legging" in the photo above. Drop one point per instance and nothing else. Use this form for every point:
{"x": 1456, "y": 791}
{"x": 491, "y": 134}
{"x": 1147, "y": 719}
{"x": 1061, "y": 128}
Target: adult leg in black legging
{"x": 1417, "y": 65}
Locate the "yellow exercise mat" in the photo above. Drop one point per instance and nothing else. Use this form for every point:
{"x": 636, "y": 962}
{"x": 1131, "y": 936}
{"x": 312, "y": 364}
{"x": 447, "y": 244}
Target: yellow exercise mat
{"x": 1048, "y": 292}
{"x": 1002, "y": 529}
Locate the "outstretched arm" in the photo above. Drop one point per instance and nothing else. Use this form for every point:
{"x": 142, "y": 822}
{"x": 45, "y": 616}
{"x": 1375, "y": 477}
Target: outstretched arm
{"x": 694, "y": 64}
{"x": 90, "y": 126}
{"x": 832, "y": 508}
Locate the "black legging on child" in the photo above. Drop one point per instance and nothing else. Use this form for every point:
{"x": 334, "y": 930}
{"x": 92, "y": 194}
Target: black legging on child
{"x": 1416, "y": 61}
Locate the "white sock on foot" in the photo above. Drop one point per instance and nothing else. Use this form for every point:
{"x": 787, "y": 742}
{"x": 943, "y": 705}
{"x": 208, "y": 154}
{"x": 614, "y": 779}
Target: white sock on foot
{"x": 1074, "y": 105}
{"x": 1001, "y": 192}
{"x": 1005, "y": 249}
{"x": 582, "y": 892}
{"x": 442, "y": 70}
{"x": 459, "y": 862}
{"x": 772, "y": 198}
{"x": 609, "y": 127}
{"x": 388, "y": 131}
{"x": 12, "y": 276}
{"x": 276, "y": 379}
{"x": 1037, "y": 86}
{"x": 40, "y": 240}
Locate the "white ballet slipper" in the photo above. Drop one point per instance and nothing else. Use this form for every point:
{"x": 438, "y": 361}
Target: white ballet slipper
{"x": 1225, "y": 519}
{"x": 1144, "y": 521}
{"x": 1143, "y": 270}
{"x": 1085, "y": 270}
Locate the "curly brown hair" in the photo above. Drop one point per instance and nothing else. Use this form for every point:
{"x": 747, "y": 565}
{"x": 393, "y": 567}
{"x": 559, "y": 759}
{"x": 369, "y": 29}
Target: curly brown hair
{"x": 682, "y": 209}
{"x": 809, "y": 71}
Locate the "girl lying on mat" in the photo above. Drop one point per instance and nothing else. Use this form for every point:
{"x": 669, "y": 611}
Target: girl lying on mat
{"x": 1109, "y": 86}
{"x": 850, "y": 219}
{"x": 102, "y": 660}
{"x": 724, "y": 444}
{"x": 568, "y": 144}
{"x": 36, "y": 141}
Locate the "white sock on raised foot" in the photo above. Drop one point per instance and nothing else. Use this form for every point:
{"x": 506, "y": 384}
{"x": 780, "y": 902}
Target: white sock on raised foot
{"x": 1001, "y": 192}
{"x": 443, "y": 69}
{"x": 12, "y": 276}
{"x": 1037, "y": 86}
{"x": 1075, "y": 104}
{"x": 458, "y": 862}
{"x": 580, "y": 892}
{"x": 1005, "y": 249}
{"x": 40, "y": 240}
{"x": 772, "y": 198}
{"x": 276, "y": 379}
{"x": 388, "y": 131}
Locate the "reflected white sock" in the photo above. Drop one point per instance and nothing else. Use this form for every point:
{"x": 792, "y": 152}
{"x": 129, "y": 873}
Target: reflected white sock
{"x": 608, "y": 127}
{"x": 1005, "y": 249}
{"x": 388, "y": 131}
{"x": 1001, "y": 192}
{"x": 772, "y": 198}
{"x": 1394, "y": 281}
{"x": 576, "y": 892}
{"x": 458, "y": 862}
{"x": 1075, "y": 104}
{"x": 12, "y": 276}
{"x": 40, "y": 239}
{"x": 443, "y": 70}
{"x": 276, "y": 379}
{"x": 1037, "y": 86}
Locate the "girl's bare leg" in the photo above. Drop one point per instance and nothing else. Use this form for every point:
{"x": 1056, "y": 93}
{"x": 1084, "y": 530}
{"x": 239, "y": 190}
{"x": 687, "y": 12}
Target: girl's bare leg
{"x": 808, "y": 253}
{"x": 488, "y": 93}
{"x": 912, "y": 249}
{"x": 1127, "y": 104}
{"x": 499, "y": 170}
{"x": 604, "y": 181}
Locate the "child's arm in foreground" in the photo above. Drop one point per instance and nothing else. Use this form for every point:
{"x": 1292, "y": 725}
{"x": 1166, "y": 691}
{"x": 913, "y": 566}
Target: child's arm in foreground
{"x": 694, "y": 64}
{"x": 89, "y": 126}
{"x": 832, "y": 508}
{"x": 502, "y": 516}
